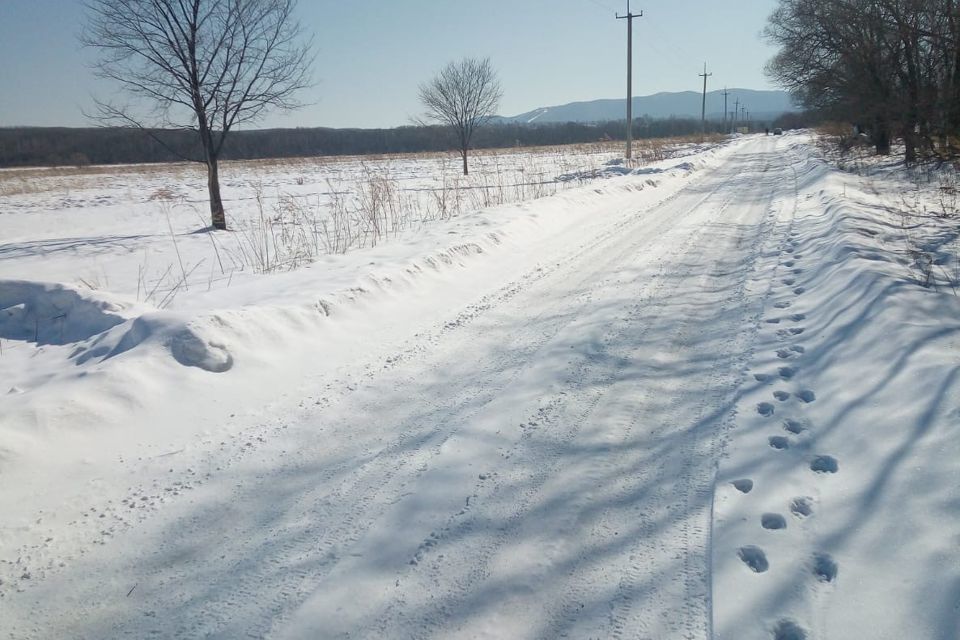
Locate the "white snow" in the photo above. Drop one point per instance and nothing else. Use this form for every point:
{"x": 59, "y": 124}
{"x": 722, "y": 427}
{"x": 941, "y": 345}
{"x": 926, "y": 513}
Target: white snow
{"x": 709, "y": 397}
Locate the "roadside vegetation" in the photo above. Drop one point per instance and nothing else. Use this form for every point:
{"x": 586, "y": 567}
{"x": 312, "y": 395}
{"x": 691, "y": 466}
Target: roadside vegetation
{"x": 889, "y": 69}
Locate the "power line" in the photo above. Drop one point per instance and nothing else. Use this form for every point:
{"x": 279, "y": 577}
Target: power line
{"x": 602, "y": 6}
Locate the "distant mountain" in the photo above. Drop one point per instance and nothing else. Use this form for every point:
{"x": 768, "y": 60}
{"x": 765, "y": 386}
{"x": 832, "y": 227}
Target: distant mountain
{"x": 684, "y": 104}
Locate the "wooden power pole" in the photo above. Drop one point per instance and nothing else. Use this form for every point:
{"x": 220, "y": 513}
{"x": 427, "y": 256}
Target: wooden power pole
{"x": 725, "y": 94}
{"x": 703, "y": 107}
{"x": 629, "y": 18}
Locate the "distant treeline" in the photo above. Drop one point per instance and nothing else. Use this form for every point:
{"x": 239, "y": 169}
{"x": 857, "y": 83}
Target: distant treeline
{"x": 36, "y": 146}
{"x": 890, "y": 66}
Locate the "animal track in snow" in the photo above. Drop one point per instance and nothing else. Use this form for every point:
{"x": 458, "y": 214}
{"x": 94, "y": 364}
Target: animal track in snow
{"x": 786, "y": 372}
{"x": 824, "y": 567}
{"x": 779, "y": 442}
{"x": 801, "y": 507}
{"x": 824, "y": 464}
{"x": 786, "y": 334}
{"x": 782, "y": 396}
{"x": 799, "y": 290}
{"x": 762, "y": 377}
{"x": 797, "y": 317}
{"x": 788, "y": 630}
{"x": 789, "y": 352}
{"x": 794, "y": 426}
{"x": 806, "y": 395}
{"x": 796, "y": 330}
{"x": 788, "y": 281}
{"x": 789, "y": 263}
{"x": 773, "y": 320}
{"x": 765, "y": 409}
{"x": 744, "y": 485}
{"x": 796, "y": 271}
{"x": 773, "y": 521}
{"x": 782, "y": 305}
{"x": 754, "y": 557}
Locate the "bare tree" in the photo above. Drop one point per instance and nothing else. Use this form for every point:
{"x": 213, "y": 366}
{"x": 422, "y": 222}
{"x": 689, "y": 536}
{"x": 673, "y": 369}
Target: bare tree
{"x": 463, "y": 96}
{"x": 202, "y": 65}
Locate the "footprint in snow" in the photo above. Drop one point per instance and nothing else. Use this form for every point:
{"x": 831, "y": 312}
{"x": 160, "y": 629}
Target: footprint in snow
{"x": 765, "y": 409}
{"x": 773, "y": 521}
{"x": 797, "y": 271}
{"x": 744, "y": 485}
{"x": 754, "y": 557}
{"x": 824, "y": 464}
{"x": 799, "y": 290}
{"x": 786, "y": 372}
{"x": 806, "y": 395}
{"x": 789, "y": 352}
{"x": 762, "y": 377}
{"x": 788, "y": 281}
{"x": 794, "y": 426}
{"x": 788, "y": 630}
{"x": 782, "y": 396}
{"x": 824, "y": 567}
{"x": 780, "y": 443}
{"x": 797, "y": 317}
{"x": 782, "y": 305}
{"x": 801, "y": 507}
{"x": 789, "y": 263}
{"x": 796, "y": 330}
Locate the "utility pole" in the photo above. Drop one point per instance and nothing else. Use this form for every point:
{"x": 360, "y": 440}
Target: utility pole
{"x": 725, "y": 94}
{"x": 736, "y": 112}
{"x": 629, "y": 18}
{"x": 703, "y": 107}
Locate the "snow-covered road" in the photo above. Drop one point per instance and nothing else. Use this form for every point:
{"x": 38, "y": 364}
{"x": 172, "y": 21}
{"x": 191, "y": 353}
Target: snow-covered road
{"x": 538, "y": 463}
{"x": 541, "y": 466}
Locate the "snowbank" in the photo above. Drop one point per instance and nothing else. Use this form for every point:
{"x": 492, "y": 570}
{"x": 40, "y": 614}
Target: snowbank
{"x": 831, "y": 509}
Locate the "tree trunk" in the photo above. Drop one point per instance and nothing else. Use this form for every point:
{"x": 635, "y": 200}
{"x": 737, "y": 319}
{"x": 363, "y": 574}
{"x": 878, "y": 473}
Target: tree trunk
{"x": 910, "y": 147}
{"x": 881, "y": 137}
{"x": 463, "y": 152}
{"x": 217, "y": 217}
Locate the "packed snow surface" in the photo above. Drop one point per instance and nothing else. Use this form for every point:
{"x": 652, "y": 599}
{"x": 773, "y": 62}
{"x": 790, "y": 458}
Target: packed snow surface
{"x": 714, "y": 397}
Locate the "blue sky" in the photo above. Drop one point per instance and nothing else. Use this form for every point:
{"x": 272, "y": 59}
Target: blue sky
{"x": 372, "y": 55}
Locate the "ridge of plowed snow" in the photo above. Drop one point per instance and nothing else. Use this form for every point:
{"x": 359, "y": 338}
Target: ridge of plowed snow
{"x": 857, "y": 456}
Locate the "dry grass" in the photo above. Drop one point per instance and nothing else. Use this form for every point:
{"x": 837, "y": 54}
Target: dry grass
{"x": 37, "y": 180}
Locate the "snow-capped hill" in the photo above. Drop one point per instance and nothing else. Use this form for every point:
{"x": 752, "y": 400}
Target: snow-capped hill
{"x": 685, "y": 104}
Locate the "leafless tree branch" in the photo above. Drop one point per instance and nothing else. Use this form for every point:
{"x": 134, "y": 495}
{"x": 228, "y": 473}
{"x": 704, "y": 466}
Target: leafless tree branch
{"x": 206, "y": 65}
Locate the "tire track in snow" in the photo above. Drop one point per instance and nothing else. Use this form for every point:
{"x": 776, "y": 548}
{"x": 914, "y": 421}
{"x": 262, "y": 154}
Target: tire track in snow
{"x": 699, "y": 588}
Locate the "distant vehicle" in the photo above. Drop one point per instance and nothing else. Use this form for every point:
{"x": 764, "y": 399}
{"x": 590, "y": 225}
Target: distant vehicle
{"x": 778, "y": 131}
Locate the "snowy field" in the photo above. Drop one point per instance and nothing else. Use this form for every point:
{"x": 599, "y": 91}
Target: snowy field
{"x": 135, "y": 229}
{"x": 713, "y": 396}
